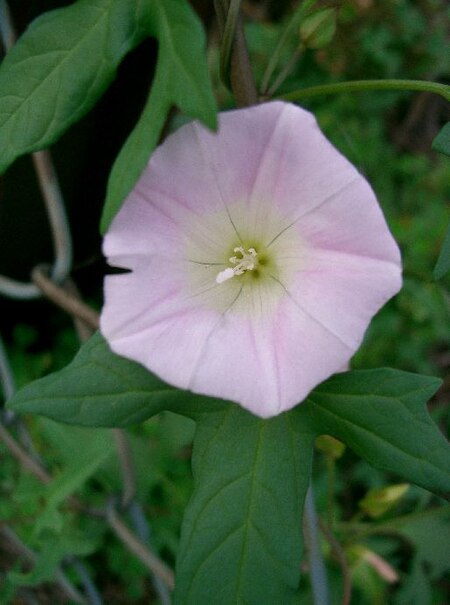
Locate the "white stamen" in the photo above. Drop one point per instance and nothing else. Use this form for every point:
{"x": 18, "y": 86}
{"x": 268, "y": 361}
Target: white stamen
{"x": 224, "y": 275}
{"x": 246, "y": 262}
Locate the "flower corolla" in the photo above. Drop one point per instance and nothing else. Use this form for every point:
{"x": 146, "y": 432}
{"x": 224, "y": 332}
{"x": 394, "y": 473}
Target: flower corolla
{"x": 257, "y": 255}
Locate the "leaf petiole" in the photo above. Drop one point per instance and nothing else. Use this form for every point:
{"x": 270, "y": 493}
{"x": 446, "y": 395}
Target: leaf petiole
{"x": 365, "y": 85}
{"x": 278, "y": 52}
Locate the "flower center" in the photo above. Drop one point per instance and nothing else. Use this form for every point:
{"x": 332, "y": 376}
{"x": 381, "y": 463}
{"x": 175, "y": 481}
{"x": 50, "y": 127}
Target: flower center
{"x": 245, "y": 260}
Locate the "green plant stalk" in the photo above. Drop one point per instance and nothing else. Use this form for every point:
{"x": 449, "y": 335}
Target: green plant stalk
{"x": 288, "y": 31}
{"x": 365, "y": 85}
{"x": 238, "y": 70}
{"x": 364, "y": 530}
{"x": 331, "y": 482}
{"x": 227, "y": 41}
{"x": 318, "y": 573}
{"x": 285, "y": 71}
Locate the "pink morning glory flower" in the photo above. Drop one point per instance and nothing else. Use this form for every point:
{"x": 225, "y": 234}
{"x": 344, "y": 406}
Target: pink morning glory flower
{"x": 258, "y": 256}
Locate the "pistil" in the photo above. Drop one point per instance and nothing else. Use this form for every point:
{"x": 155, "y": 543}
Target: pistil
{"x": 245, "y": 260}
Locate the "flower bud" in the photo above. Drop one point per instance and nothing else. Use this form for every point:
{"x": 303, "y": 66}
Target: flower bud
{"x": 362, "y": 559}
{"x": 330, "y": 446}
{"x": 378, "y": 501}
{"x": 317, "y": 30}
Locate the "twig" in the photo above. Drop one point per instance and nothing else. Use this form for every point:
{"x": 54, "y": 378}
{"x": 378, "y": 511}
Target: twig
{"x": 61, "y": 297}
{"x": 27, "y": 596}
{"x": 142, "y": 529}
{"x": 84, "y": 329}
{"x": 59, "y": 229}
{"x": 140, "y": 550}
{"x": 318, "y": 574}
{"x": 331, "y": 476}
{"x": 6, "y": 375}
{"x": 339, "y": 554}
{"x": 23, "y": 457}
{"x": 8, "y": 35}
{"x": 28, "y": 459}
{"x": 285, "y": 72}
{"x": 8, "y": 417}
{"x": 51, "y": 193}
{"x": 287, "y": 33}
{"x": 126, "y": 464}
{"x": 152, "y": 562}
{"x": 32, "y": 465}
{"x": 90, "y": 589}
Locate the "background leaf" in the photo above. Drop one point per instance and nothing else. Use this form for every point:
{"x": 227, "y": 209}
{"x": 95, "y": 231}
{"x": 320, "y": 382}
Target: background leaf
{"x": 58, "y": 69}
{"x": 381, "y": 415}
{"x": 241, "y": 536}
{"x": 418, "y": 529}
{"x": 181, "y": 79}
{"x": 98, "y": 388}
{"x": 441, "y": 142}
{"x": 54, "y": 549}
{"x": 81, "y": 467}
{"x": 443, "y": 263}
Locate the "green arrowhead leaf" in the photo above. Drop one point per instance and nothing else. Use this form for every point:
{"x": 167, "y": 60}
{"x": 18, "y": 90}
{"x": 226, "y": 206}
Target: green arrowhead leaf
{"x": 418, "y": 529}
{"x": 81, "y": 467}
{"x": 239, "y": 541}
{"x": 441, "y": 142}
{"x": 181, "y": 79}
{"x": 381, "y": 414}
{"x": 443, "y": 263}
{"x": 99, "y": 388}
{"x": 51, "y": 553}
{"x": 241, "y": 535}
{"x": 58, "y": 69}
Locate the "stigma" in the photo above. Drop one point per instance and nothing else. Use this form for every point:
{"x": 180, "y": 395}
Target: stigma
{"x": 245, "y": 260}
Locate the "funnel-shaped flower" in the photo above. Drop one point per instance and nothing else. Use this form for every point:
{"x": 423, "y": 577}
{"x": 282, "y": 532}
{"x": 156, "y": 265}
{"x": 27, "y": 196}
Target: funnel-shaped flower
{"x": 258, "y": 256}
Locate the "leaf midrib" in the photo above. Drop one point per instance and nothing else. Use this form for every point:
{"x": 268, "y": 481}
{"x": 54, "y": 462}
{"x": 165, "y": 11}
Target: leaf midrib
{"x": 247, "y": 523}
{"x": 344, "y": 420}
{"x": 69, "y": 53}
{"x": 172, "y": 49}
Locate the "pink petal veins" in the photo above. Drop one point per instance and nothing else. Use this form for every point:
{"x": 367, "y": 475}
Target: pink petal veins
{"x": 258, "y": 257}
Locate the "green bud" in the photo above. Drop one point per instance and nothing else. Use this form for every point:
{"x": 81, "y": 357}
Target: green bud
{"x": 378, "y": 501}
{"x": 317, "y": 30}
{"x": 362, "y": 560}
{"x": 330, "y": 446}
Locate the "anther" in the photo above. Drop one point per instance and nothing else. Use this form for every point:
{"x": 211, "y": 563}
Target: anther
{"x": 246, "y": 261}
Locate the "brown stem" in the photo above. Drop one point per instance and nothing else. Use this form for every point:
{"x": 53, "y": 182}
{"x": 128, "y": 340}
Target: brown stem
{"x": 23, "y": 457}
{"x": 34, "y": 467}
{"x": 140, "y": 550}
{"x": 126, "y": 465}
{"x": 284, "y": 73}
{"x": 241, "y": 76}
{"x": 339, "y": 553}
{"x": 84, "y": 329}
{"x": 61, "y": 297}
